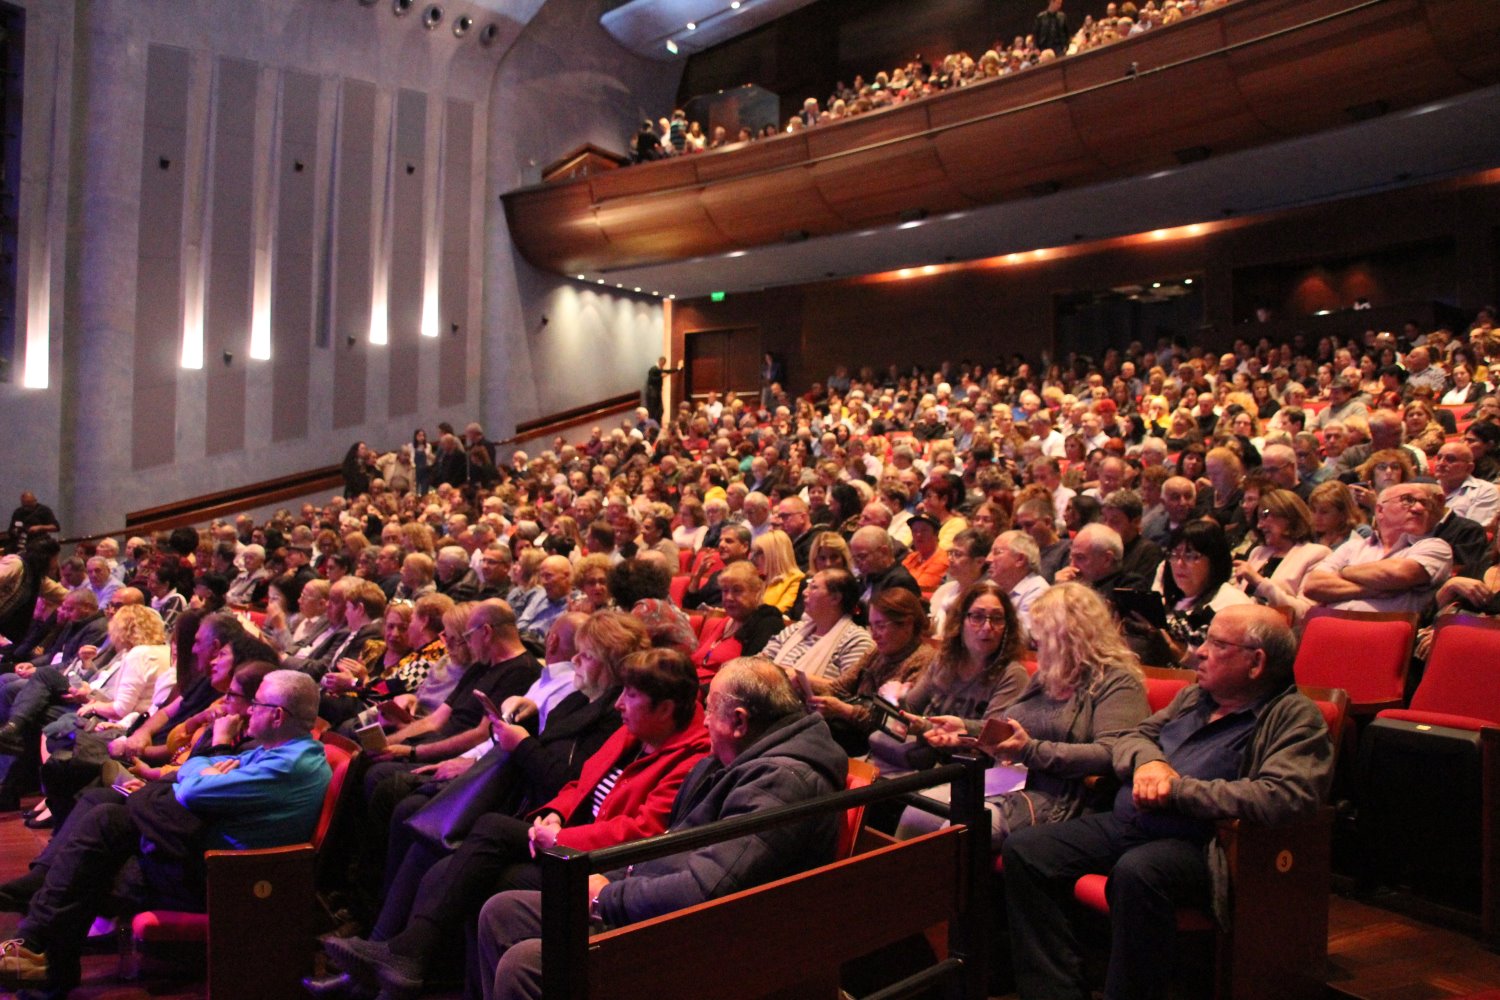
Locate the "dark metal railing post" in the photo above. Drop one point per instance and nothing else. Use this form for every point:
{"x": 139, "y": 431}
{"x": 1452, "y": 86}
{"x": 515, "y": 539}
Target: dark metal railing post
{"x": 565, "y": 923}
{"x": 968, "y": 936}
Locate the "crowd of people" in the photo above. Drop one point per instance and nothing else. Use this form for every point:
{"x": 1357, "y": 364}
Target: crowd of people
{"x": 1051, "y": 37}
{"x": 887, "y": 564}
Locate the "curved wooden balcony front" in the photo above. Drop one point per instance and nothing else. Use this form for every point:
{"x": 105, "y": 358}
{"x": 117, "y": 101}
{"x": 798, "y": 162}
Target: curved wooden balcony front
{"x": 1248, "y": 74}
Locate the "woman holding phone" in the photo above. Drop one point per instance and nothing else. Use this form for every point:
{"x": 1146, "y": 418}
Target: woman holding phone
{"x": 1087, "y": 692}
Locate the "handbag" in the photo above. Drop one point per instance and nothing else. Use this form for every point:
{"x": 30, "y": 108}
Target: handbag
{"x": 901, "y": 756}
{"x": 449, "y": 815}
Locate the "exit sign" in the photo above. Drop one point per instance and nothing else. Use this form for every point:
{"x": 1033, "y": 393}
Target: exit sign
{"x": 716, "y": 296}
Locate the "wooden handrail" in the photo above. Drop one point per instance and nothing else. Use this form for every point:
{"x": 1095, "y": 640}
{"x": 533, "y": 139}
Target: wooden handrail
{"x": 208, "y": 506}
{"x": 542, "y": 426}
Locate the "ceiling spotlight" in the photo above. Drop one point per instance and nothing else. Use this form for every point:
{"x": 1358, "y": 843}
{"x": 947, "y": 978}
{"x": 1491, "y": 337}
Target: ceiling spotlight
{"x": 692, "y": 26}
{"x": 671, "y": 46}
{"x": 735, "y": 5}
{"x": 432, "y": 16}
{"x": 400, "y": 7}
{"x": 581, "y": 278}
{"x": 1187, "y": 281}
{"x": 637, "y": 287}
{"x": 489, "y": 33}
{"x": 599, "y": 281}
{"x": 462, "y": 25}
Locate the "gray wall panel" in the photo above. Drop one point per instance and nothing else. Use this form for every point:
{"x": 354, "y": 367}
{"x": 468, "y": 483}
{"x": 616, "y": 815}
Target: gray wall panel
{"x": 352, "y": 267}
{"x": 292, "y": 290}
{"x": 158, "y": 334}
{"x": 227, "y": 309}
{"x": 407, "y": 253}
{"x": 458, "y": 168}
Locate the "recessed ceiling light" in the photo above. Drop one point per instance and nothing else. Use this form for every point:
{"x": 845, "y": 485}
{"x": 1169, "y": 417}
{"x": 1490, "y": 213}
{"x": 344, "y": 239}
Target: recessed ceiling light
{"x": 692, "y": 26}
{"x": 735, "y": 253}
{"x": 1187, "y": 281}
{"x": 601, "y": 281}
{"x": 735, "y": 5}
{"x": 581, "y": 278}
{"x": 671, "y": 46}
{"x": 637, "y": 287}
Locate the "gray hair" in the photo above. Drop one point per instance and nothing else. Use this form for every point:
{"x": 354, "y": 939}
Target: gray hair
{"x": 1277, "y": 640}
{"x": 1025, "y": 546}
{"x": 1101, "y": 536}
{"x": 298, "y": 695}
{"x": 761, "y": 688}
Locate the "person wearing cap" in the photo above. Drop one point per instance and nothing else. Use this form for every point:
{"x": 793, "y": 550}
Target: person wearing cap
{"x": 927, "y": 561}
{"x": 1343, "y": 403}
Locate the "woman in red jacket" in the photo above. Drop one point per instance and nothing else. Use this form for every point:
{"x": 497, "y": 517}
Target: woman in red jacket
{"x": 625, "y": 792}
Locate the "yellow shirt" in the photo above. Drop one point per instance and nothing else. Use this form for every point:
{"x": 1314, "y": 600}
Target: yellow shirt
{"x": 782, "y": 594}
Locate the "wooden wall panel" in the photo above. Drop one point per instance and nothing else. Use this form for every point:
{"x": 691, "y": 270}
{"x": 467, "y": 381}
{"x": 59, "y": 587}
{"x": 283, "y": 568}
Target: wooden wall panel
{"x": 227, "y": 309}
{"x": 292, "y": 277}
{"x": 352, "y": 265}
{"x": 1306, "y": 81}
{"x": 158, "y": 321}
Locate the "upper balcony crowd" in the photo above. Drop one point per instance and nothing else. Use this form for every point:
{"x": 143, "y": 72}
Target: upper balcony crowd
{"x": 1052, "y": 36}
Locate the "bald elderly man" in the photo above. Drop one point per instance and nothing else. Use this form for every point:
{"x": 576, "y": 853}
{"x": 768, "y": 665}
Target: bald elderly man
{"x": 1241, "y": 743}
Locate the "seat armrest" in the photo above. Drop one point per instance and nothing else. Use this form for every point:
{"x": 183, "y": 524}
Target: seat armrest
{"x": 260, "y": 903}
{"x": 1279, "y": 884}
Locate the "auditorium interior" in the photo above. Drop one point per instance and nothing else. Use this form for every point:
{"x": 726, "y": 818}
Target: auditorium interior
{"x": 236, "y": 237}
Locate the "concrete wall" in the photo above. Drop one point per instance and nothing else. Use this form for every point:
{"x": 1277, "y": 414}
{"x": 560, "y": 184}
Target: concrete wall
{"x": 565, "y": 83}
{"x": 275, "y": 170}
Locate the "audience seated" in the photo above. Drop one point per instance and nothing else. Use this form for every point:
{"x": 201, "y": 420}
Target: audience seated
{"x": 1028, "y": 497}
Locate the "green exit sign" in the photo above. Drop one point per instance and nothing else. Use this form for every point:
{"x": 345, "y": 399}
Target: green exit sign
{"x": 716, "y": 296}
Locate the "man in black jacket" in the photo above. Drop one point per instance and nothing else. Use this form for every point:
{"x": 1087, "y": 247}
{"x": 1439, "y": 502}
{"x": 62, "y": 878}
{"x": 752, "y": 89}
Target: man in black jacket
{"x": 1051, "y": 29}
{"x": 767, "y": 752}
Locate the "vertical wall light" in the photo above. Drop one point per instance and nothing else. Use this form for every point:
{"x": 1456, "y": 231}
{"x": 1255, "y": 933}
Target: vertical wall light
{"x": 432, "y": 233}
{"x": 267, "y": 189}
{"x": 198, "y": 224}
{"x": 384, "y": 210}
{"x": 38, "y": 346}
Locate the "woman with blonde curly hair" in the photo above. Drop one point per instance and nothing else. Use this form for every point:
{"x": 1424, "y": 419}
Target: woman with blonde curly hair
{"x": 144, "y": 676}
{"x": 1087, "y": 692}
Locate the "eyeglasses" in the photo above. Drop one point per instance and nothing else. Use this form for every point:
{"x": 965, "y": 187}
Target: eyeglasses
{"x": 266, "y": 704}
{"x": 1213, "y": 640}
{"x": 1186, "y": 556}
{"x": 1404, "y": 499}
{"x": 1388, "y": 467}
{"x": 978, "y": 619}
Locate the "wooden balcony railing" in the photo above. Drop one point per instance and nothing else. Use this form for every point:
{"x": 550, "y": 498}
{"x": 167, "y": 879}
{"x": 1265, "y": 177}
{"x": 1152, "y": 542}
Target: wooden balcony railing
{"x": 1246, "y": 75}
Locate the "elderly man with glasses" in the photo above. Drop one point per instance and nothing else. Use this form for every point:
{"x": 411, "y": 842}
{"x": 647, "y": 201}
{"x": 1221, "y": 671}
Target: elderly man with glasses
{"x": 265, "y": 797}
{"x": 1240, "y": 743}
{"x": 1398, "y": 568}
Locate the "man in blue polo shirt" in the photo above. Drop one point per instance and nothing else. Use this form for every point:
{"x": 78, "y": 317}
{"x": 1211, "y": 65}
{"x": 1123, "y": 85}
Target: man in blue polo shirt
{"x": 268, "y": 796}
